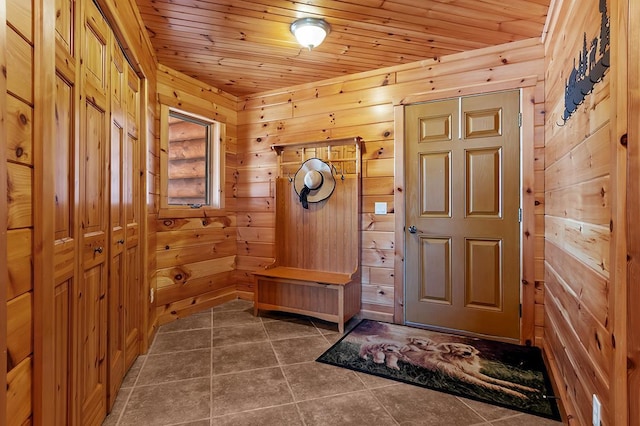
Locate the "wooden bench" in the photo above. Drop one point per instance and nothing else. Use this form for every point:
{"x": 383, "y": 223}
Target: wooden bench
{"x": 316, "y": 269}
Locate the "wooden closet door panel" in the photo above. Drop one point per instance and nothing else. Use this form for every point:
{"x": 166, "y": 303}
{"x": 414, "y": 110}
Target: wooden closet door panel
{"x": 117, "y": 266}
{"x": 91, "y": 304}
{"x": 65, "y": 256}
{"x": 132, "y": 177}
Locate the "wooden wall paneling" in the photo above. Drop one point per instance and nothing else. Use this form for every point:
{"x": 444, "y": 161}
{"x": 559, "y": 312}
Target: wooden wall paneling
{"x": 19, "y": 50}
{"x": 20, "y": 57}
{"x": 19, "y": 329}
{"x": 633, "y": 201}
{"x": 619, "y": 116}
{"x": 581, "y": 250}
{"x": 4, "y": 258}
{"x": 20, "y": 393}
{"x": 19, "y": 140}
{"x": 19, "y": 260}
{"x": 196, "y": 257}
{"x": 528, "y": 310}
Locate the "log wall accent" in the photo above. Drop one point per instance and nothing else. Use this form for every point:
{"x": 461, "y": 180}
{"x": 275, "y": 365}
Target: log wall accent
{"x": 363, "y": 105}
{"x": 584, "y": 220}
{"x": 196, "y": 256}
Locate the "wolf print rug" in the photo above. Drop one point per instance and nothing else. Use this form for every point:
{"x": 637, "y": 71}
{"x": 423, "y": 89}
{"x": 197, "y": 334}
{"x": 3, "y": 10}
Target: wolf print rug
{"x": 503, "y": 374}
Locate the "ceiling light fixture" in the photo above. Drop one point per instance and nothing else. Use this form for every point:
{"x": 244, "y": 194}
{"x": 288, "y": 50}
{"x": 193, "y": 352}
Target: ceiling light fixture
{"x": 310, "y": 32}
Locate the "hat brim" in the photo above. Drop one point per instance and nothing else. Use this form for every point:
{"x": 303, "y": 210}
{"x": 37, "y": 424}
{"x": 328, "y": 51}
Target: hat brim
{"x": 328, "y": 184}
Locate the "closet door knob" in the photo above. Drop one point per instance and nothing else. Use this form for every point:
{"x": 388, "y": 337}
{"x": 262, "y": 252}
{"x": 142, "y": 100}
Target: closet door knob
{"x": 413, "y": 229}
{"x": 98, "y": 250}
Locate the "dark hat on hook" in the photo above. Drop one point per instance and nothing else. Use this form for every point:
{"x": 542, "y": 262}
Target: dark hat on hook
{"x": 314, "y": 182}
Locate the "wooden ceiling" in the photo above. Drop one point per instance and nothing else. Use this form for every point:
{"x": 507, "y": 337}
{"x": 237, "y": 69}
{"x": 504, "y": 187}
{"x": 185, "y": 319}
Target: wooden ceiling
{"x": 245, "y": 47}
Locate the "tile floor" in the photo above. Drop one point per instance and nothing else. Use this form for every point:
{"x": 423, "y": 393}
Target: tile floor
{"x": 227, "y": 367}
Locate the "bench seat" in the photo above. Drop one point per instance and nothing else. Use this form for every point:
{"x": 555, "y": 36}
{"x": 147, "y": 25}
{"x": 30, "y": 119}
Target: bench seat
{"x": 299, "y": 274}
{"x": 330, "y": 296}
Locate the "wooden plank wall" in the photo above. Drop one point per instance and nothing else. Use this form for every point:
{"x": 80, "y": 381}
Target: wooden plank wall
{"x": 363, "y": 105}
{"x": 20, "y": 227}
{"x": 633, "y": 202}
{"x": 580, "y": 207}
{"x": 4, "y": 273}
{"x": 196, "y": 256}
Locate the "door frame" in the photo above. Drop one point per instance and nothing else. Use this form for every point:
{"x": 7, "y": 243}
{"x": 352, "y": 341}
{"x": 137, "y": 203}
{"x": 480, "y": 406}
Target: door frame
{"x": 532, "y": 307}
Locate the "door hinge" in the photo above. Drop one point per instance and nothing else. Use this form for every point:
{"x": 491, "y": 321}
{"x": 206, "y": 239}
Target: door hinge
{"x": 519, "y": 119}
{"x": 520, "y": 311}
{"x": 519, "y": 215}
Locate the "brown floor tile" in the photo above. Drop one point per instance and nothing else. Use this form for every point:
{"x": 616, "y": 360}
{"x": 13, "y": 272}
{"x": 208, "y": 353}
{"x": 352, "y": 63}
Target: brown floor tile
{"x": 168, "y": 403}
{"x": 248, "y": 356}
{"x": 314, "y": 380}
{"x": 414, "y": 405}
{"x": 268, "y": 316}
{"x": 118, "y": 407}
{"x": 327, "y": 327}
{"x": 226, "y": 367}
{"x": 181, "y": 341}
{"x": 275, "y": 416}
{"x": 232, "y": 318}
{"x": 131, "y": 376}
{"x": 488, "y": 411}
{"x": 234, "y": 305}
{"x": 174, "y": 366}
{"x": 301, "y": 349}
{"x": 192, "y": 322}
{"x": 525, "y": 420}
{"x": 250, "y": 390}
{"x": 372, "y": 382}
{"x": 300, "y": 327}
{"x": 239, "y": 334}
{"x": 358, "y": 408}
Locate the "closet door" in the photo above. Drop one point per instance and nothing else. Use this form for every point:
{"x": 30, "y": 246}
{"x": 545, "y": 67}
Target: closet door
{"x": 132, "y": 177}
{"x": 117, "y": 266}
{"x": 94, "y": 221}
{"x": 66, "y": 255}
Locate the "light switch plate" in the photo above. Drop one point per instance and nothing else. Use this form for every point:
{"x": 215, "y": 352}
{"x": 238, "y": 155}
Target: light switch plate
{"x": 380, "y": 208}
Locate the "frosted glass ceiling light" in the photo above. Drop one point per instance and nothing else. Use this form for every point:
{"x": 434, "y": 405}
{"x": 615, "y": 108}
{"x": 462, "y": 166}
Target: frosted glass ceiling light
{"x": 310, "y": 32}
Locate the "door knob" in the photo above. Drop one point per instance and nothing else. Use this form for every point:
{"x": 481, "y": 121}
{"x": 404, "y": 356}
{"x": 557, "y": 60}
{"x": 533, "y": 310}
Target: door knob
{"x": 413, "y": 229}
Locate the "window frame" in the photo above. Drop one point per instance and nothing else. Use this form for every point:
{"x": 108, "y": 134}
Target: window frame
{"x": 215, "y": 167}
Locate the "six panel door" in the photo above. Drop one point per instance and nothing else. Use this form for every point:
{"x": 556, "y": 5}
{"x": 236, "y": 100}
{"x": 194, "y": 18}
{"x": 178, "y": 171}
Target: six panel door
{"x": 463, "y": 244}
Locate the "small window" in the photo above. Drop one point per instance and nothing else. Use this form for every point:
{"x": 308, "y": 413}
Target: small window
{"x": 191, "y": 164}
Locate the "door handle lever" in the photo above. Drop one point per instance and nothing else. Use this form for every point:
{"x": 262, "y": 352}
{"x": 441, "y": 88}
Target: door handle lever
{"x": 413, "y": 229}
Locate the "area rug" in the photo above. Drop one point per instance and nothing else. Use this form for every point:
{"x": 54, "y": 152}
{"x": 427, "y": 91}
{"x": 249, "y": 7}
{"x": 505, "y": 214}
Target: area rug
{"x": 503, "y": 374}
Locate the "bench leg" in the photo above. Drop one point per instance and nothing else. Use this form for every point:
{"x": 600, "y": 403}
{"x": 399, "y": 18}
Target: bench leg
{"x": 256, "y": 296}
{"x": 341, "y": 309}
